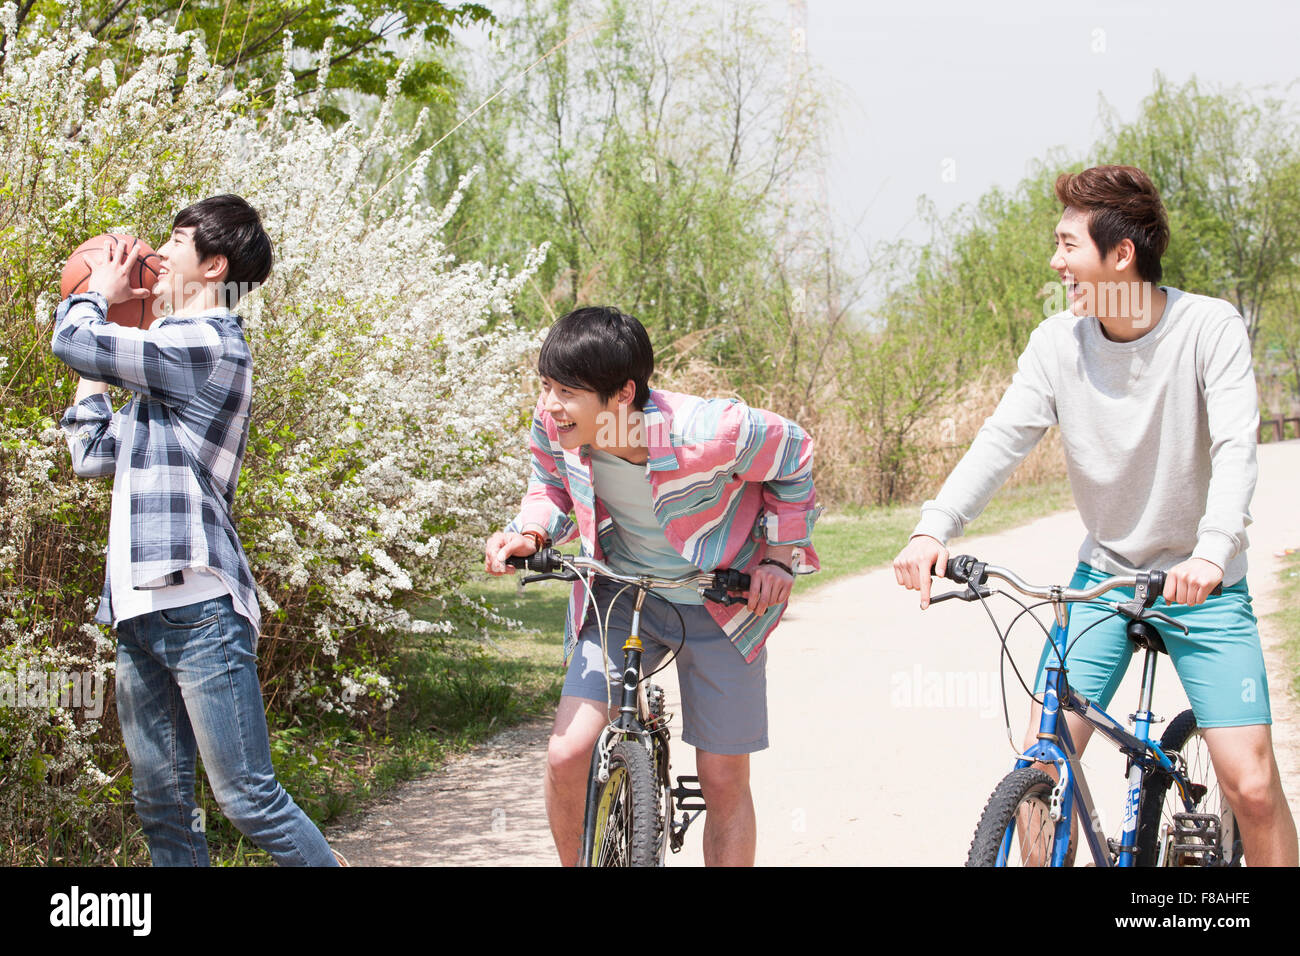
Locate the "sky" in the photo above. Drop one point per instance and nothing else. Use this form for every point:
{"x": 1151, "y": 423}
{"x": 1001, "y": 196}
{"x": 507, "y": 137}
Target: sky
{"x": 948, "y": 99}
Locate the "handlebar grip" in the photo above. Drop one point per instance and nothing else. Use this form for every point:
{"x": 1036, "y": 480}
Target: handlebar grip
{"x": 729, "y": 579}
{"x": 959, "y": 568}
{"x": 544, "y": 561}
{"x": 1156, "y": 579}
{"x": 725, "y": 580}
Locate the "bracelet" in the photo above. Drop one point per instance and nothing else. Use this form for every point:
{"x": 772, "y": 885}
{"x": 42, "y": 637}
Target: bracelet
{"x": 784, "y": 567}
{"x": 539, "y": 539}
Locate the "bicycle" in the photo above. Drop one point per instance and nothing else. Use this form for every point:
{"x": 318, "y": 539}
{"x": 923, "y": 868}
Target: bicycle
{"x": 629, "y": 818}
{"x": 1174, "y": 813}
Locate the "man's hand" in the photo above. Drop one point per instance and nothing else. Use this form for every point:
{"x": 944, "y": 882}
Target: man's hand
{"x": 112, "y": 278}
{"x": 915, "y": 563}
{"x": 1192, "y": 581}
{"x": 504, "y": 545}
{"x": 768, "y": 585}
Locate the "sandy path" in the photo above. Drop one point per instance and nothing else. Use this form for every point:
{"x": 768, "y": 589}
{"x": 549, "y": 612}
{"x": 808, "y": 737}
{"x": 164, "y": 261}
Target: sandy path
{"x": 858, "y": 680}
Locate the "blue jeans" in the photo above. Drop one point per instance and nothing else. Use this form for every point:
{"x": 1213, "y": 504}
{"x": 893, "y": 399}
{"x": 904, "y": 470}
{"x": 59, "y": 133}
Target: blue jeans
{"x": 186, "y": 685}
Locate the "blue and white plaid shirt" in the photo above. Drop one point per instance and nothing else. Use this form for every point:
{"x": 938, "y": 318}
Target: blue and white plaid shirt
{"x": 193, "y": 384}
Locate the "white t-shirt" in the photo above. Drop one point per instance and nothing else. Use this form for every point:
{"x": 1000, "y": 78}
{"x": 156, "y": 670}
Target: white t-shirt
{"x": 198, "y": 584}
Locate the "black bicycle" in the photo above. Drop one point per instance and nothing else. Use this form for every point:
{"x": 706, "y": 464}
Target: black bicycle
{"x": 629, "y": 818}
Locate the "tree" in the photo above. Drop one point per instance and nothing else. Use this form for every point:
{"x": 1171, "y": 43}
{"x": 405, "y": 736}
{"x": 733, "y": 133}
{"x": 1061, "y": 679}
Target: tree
{"x": 649, "y": 143}
{"x": 246, "y": 38}
{"x": 1278, "y": 355}
{"x": 1228, "y": 169}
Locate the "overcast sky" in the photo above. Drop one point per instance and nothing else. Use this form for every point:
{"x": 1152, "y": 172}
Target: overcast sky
{"x": 947, "y": 98}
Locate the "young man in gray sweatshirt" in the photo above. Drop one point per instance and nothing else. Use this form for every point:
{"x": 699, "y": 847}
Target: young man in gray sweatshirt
{"x": 1154, "y": 393}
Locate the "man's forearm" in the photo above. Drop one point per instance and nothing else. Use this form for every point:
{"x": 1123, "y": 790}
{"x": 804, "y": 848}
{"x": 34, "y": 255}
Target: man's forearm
{"x": 780, "y": 552}
{"x": 85, "y": 388}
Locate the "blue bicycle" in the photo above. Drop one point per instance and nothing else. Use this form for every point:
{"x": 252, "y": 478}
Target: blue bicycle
{"x": 1174, "y": 813}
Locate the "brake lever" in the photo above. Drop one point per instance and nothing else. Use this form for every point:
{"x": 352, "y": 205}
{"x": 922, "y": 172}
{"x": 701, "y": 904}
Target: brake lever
{"x": 722, "y": 597}
{"x": 1161, "y": 616}
{"x": 970, "y": 594}
{"x": 552, "y": 576}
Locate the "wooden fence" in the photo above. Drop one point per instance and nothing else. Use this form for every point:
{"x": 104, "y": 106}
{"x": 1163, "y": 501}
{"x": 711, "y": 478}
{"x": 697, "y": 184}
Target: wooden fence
{"x": 1276, "y": 427}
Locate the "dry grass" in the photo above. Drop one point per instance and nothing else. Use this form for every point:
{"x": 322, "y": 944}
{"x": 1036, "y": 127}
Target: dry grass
{"x": 846, "y": 474}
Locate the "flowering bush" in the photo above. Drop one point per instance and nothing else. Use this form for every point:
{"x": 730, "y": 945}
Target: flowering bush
{"x": 385, "y": 392}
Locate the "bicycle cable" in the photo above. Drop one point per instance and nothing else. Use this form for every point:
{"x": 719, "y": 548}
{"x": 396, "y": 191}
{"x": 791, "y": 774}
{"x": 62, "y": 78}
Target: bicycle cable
{"x": 1005, "y": 653}
{"x": 604, "y": 631}
{"x": 680, "y": 644}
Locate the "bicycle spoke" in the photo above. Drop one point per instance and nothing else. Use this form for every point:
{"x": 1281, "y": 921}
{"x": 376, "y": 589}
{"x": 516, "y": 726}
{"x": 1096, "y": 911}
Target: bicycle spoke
{"x": 1035, "y": 830}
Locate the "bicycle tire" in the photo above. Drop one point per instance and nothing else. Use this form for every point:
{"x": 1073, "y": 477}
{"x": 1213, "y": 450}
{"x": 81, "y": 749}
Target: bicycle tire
{"x": 1160, "y": 801}
{"x": 1023, "y": 797}
{"x": 625, "y": 814}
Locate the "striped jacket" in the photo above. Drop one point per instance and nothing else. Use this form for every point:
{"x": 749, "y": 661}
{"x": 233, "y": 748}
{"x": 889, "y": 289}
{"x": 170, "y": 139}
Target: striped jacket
{"x": 723, "y": 477}
{"x": 193, "y": 384}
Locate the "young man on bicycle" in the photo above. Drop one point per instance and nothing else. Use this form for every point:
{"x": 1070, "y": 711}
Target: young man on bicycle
{"x": 1154, "y": 393}
{"x": 665, "y": 484}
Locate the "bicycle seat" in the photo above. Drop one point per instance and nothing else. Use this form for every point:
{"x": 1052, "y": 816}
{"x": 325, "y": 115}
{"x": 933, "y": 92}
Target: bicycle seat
{"x": 1144, "y": 634}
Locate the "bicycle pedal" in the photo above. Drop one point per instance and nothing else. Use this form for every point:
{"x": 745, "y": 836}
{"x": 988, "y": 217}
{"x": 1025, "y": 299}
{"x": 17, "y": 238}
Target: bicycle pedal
{"x": 1195, "y": 833}
{"x": 1195, "y": 824}
{"x": 688, "y": 789}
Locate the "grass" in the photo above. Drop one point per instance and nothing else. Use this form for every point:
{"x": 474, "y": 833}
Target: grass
{"x": 458, "y": 692}
{"x": 853, "y": 541}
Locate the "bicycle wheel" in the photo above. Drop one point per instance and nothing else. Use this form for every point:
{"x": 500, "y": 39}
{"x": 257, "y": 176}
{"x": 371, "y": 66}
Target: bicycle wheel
{"x": 1161, "y": 800}
{"x": 625, "y": 815}
{"x": 1017, "y": 815}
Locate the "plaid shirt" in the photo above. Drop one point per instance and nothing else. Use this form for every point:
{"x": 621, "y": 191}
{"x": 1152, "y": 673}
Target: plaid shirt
{"x": 723, "y": 478}
{"x": 193, "y": 383}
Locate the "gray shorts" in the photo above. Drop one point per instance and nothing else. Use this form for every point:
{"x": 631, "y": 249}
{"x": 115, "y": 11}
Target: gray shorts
{"x": 724, "y": 700}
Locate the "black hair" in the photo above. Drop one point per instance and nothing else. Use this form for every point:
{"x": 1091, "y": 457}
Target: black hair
{"x": 227, "y": 225}
{"x": 598, "y": 348}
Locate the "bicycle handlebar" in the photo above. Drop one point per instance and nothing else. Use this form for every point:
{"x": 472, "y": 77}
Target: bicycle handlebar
{"x": 550, "y": 564}
{"x": 963, "y": 567}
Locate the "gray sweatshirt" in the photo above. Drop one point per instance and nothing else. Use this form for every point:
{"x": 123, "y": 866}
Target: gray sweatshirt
{"x": 1159, "y": 437}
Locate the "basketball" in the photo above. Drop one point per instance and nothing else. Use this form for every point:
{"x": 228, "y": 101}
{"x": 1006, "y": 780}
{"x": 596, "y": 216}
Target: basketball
{"x": 134, "y": 313}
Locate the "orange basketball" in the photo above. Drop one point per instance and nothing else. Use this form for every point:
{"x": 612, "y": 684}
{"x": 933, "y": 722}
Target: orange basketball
{"x": 135, "y": 313}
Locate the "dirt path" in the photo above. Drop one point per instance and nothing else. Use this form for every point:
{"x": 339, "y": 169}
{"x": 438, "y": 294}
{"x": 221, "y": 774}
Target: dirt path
{"x": 858, "y": 681}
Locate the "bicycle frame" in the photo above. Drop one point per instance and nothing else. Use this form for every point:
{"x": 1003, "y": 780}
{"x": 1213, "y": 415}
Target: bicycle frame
{"x": 1055, "y": 746}
{"x": 626, "y": 726}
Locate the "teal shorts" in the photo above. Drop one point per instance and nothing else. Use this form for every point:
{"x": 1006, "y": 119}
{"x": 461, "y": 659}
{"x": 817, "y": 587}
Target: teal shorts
{"x": 1219, "y": 660}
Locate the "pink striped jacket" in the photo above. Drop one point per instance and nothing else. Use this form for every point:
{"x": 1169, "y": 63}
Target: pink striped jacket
{"x": 724, "y": 478}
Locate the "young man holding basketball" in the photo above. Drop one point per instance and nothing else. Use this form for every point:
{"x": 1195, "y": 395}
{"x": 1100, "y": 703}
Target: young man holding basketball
{"x": 664, "y": 484}
{"x": 1154, "y": 393}
{"x": 177, "y": 585}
